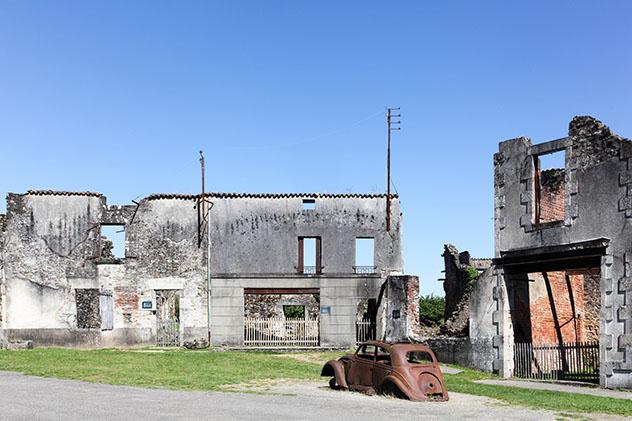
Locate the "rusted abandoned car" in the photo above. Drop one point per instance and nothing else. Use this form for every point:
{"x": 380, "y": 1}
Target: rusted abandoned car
{"x": 403, "y": 370}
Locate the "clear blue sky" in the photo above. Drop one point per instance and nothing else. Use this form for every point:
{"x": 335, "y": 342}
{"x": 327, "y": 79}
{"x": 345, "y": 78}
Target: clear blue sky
{"x": 118, "y": 97}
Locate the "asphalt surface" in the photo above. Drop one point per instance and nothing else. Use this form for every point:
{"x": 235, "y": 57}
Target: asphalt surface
{"x": 26, "y": 397}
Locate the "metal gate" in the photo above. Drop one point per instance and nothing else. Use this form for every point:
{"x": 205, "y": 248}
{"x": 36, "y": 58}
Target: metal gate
{"x": 578, "y": 361}
{"x": 167, "y": 318}
{"x": 365, "y": 330}
{"x": 281, "y": 333}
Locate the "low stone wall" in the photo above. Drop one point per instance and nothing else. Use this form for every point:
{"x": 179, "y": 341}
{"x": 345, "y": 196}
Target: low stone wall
{"x": 82, "y": 338}
{"x": 473, "y": 353}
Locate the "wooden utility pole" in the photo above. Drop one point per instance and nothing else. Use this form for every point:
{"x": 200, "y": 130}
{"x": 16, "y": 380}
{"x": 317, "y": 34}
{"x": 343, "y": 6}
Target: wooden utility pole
{"x": 390, "y": 123}
{"x": 202, "y": 198}
{"x": 203, "y": 222}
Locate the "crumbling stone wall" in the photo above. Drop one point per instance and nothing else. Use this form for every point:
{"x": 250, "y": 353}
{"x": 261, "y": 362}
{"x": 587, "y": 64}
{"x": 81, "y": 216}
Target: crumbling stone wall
{"x": 55, "y": 247}
{"x": 598, "y": 208}
{"x": 49, "y": 241}
{"x": 461, "y": 271}
{"x": 88, "y": 312}
{"x": 3, "y": 226}
{"x": 399, "y": 309}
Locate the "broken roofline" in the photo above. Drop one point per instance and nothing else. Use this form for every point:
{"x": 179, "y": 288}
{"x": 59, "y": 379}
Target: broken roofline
{"x": 220, "y": 195}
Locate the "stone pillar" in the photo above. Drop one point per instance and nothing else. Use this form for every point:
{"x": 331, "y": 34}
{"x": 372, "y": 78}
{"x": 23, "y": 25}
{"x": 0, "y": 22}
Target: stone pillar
{"x": 399, "y": 309}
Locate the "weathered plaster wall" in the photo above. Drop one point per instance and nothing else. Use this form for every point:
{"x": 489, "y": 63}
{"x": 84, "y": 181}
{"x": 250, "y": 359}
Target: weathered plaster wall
{"x": 400, "y": 309}
{"x": 261, "y": 236}
{"x": 49, "y": 241}
{"x": 52, "y": 246}
{"x": 598, "y": 204}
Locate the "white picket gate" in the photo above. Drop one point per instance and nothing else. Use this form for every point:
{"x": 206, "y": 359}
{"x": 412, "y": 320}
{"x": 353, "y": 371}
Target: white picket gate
{"x": 281, "y": 333}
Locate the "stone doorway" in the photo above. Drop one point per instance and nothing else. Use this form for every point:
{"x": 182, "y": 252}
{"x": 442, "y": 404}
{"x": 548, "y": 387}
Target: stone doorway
{"x": 168, "y": 318}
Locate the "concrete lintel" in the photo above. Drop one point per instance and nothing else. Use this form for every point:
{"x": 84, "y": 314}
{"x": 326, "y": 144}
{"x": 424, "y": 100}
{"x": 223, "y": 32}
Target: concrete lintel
{"x": 549, "y": 147}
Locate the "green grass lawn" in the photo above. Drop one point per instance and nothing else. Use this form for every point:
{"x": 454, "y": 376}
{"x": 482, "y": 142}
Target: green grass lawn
{"x": 171, "y": 369}
{"x": 202, "y": 370}
{"x": 537, "y": 399}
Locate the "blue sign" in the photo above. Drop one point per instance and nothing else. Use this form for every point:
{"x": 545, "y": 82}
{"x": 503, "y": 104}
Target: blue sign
{"x": 325, "y": 310}
{"x": 147, "y": 305}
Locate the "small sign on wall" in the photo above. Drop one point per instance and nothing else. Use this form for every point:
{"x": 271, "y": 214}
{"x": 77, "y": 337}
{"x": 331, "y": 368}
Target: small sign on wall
{"x": 325, "y": 310}
{"x": 147, "y": 304}
{"x": 396, "y": 314}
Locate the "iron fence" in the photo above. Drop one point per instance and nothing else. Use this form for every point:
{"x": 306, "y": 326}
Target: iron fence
{"x": 578, "y": 361}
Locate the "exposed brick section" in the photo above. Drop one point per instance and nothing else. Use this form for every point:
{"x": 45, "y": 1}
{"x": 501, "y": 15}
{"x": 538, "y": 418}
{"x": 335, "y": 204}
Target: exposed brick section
{"x": 552, "y": 195}
{"x": 126, "y": 298}
{"x": 543, "y": 325}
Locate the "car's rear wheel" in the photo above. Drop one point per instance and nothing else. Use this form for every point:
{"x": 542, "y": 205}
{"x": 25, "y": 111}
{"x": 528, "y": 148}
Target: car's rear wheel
{"x": 390, "y": 389}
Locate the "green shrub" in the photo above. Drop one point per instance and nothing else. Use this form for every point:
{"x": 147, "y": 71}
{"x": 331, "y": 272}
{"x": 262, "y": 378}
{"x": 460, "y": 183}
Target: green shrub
{"x": 431, "y": 310}
{"x": 472, "y": 274}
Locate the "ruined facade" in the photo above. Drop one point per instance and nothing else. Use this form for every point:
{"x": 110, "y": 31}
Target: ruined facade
{"x": 461, "y": 272}
{"x": 563, "y": 248}
{"x": 61, "y": 285}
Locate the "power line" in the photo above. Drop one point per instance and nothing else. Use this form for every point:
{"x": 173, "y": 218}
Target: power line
{"x": 307, "y": 140}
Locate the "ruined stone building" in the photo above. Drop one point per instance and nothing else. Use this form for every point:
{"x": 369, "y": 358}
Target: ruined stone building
{"x": 560, "y": 280}
{"x": 461, "y": 272}
{"x": 61, "y": 285}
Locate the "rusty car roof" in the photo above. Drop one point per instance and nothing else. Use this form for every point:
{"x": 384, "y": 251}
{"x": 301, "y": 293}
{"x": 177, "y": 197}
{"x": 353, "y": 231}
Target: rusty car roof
{"x": 405, "y": 346}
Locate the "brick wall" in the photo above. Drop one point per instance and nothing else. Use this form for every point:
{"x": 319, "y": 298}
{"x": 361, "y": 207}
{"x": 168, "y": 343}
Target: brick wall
{"x": 543, "y": 325}
{"x": 592, "y": 306}
{"x": 552, "y": 195}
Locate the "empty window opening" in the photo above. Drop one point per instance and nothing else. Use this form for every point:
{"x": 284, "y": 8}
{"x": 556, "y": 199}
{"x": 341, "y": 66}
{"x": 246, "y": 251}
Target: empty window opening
{"x": 550, "y": 187}
{"x": 419, "y": 357}
{"x": 309, "y": 255}
{"x": 366, "y": 352}
{"x": 364, "y": 255}
{"x": 88, "y": 308}
{"x": 382, "y": 355}
{"x": 294, "y": 312}
{"x": 309, "y": 204}
{"x": 113, "y": 241}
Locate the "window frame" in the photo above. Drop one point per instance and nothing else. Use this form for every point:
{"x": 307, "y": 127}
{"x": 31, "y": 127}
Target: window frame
{"x": 300, "y": 267}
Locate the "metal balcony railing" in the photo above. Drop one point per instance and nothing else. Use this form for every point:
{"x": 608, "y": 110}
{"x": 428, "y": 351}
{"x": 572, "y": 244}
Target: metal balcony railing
{"x": 364, "y": 270}
{"x": 309, "y": 270}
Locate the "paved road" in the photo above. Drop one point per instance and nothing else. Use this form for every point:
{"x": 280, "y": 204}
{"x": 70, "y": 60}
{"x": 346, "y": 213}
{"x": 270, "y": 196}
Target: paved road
{"x": 26, "y": 397}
